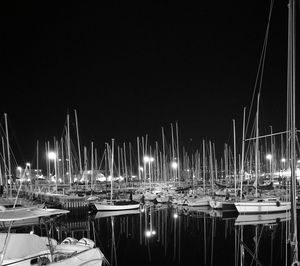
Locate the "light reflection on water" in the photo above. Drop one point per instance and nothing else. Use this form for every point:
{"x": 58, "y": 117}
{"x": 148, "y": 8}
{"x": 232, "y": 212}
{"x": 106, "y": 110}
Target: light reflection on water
{"x": 162, "y": 235}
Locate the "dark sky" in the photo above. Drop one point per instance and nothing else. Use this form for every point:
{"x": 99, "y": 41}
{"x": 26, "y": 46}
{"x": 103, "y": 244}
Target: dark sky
{"x": 131, "y": 68}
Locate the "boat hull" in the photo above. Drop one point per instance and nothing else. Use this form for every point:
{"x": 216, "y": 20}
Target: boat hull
{"x": 115, "y": 207}
{"x": 262, "y": 207}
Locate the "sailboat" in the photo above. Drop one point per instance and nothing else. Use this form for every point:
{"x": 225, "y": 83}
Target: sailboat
{"x": 111, "y": 204}
{"x": 275, "y": 204}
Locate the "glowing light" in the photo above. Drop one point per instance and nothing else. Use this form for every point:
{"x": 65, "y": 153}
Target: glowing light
{"x": 52, "y": 155}
{"x": 175, "y": 215}
{"x": 174, "y": 165}
{"x": 283, "y": 160}
{"x": 269, "y": 157}
{"x": 148, "y": 159}
{"x": 148, "y": 233}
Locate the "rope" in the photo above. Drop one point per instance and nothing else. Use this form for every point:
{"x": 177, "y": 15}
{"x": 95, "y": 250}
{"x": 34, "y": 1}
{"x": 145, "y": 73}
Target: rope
{"x": 260, "y": 70}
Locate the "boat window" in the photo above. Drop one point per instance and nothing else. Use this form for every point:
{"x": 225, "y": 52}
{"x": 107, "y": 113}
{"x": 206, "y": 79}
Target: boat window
{"x": 34, "y": 261}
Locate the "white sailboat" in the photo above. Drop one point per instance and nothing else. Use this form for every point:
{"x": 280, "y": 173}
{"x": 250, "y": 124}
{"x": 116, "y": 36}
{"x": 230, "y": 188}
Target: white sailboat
{"x": 262, "y": 205}
{"x": 25, "y": 249}
{"x": 265, "y": 204}
{"x": 114, "y": 205}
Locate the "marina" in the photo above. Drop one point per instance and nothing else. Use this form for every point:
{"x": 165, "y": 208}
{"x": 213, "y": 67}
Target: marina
{"x": 126, "y": 190}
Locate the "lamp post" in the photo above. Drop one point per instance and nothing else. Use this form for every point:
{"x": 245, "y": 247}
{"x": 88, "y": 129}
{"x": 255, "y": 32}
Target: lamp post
{"x": 269, "y": 158}
{"x": 28, "y": 168}
{"x": 174, "y": 166}
{"x": 19, "y": 170}
{"x": 149, "y": 160}
{"x": 52, "y": 156}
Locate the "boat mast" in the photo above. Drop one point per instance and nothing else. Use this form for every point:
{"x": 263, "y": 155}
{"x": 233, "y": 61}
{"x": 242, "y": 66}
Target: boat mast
{"x": 234, "y": 155}
{"x": 243, "y": 151}
{"x": 4, "y": 163}
{"x": 164, "y": 174}
{"x": 292, "y": 121}
{"x": 69, "y": 151}
{"x": 204, "y": 166}
{"x": 37, "y": 158}
{"x": 256, "y": 147}
{"x": 92, "y": 165}
{"x": 112, "y": 169}
{"x": 178, "y": 159}
{"x": 8, "y": 156}
{"x": 78, "y": 143}
{"x": 139, "y": 163}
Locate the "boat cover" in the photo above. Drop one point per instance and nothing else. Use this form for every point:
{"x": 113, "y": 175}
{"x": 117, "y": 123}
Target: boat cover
{"x": 21, "y": 245}
{"x": 28, "y": 213}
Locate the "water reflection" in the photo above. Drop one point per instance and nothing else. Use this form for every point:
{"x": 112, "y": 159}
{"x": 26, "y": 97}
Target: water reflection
{"x": 168, "y": 235}
{"x": 258, "y": 236}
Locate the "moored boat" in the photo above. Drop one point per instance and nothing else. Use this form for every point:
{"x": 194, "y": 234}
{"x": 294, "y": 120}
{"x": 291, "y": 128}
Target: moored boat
{"x": 262, "y": 205}
{"x": 25, "y": 249}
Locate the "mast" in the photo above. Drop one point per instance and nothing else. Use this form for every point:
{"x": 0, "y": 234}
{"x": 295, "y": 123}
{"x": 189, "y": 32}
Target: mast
{"x": 243, "y": 153}
{"x": 178, "y": 161}
{"x": 92, "y": 165}
{"x": 256, "y": 147}
{"x": 8, "y": 156}
{"x": 211, "y": 167}
{"x": 112, "y": 169}
{"x": 138, "y": 153}
{"x": 292, "y": 122}
{"x": 4, "y": 163}
{"x": 234, "y": 155}
{"x": 78, "y": 143}
{"x": 163, "y": 155}
{"x": 37, "y": 158}
{"x": 69, "y": 150}
{"x": 173, "y": 153}
{"x": 204, "y": 166}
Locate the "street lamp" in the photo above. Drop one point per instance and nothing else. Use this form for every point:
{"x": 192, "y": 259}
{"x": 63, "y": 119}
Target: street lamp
{"x": 149, "y": 160}
{"x": 174, "y": 165}
{"x": 269, "y": 157}
{"x": 52, "y": 156}
{"x": 19, "y": 169}
{"x": 28, "y": 165}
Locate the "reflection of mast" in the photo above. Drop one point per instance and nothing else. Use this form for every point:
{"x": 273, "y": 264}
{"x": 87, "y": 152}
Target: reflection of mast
{"x": 239, "y": 246}
{"x": 204, "y": 233}
{"x": 113, "y": 254}
{"x": 212, "y": 241}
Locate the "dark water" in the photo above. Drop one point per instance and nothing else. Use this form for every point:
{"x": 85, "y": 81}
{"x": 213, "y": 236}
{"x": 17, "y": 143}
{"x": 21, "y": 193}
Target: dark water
{"x": 162, "y": 235}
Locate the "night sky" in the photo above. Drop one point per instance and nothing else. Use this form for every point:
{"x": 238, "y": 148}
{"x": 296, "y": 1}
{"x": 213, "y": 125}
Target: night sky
{"x": 131, "y": 68}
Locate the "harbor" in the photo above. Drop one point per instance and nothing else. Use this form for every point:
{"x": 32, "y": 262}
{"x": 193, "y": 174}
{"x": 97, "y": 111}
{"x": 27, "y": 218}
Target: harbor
{"x": 150, "y": 135}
